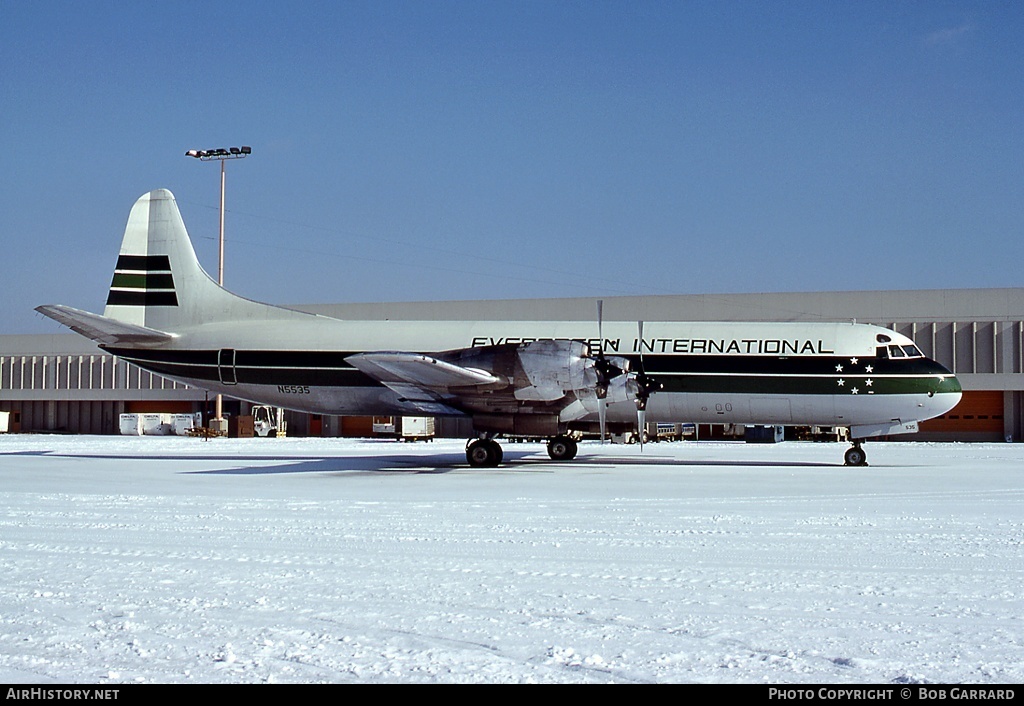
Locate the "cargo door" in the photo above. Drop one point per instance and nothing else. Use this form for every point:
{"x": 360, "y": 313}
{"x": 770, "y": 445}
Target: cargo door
{"x": 226, "y": 366}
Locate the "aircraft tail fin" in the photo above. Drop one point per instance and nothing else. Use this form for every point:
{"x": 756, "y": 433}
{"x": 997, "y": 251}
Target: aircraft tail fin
{"x": 158, "y": 282}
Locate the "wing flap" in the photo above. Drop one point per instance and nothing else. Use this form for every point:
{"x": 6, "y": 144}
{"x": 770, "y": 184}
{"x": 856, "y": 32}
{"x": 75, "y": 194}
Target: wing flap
{"x": 102, "y": 329}
{"x": 421, "y": 371}
{"x": 422, "y": 382}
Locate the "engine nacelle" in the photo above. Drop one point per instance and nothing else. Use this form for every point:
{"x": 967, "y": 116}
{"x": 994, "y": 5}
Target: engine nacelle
{"x": 544, "y": 384}
{"x": 554, "y": 369}
{"x": 550, "y": 369}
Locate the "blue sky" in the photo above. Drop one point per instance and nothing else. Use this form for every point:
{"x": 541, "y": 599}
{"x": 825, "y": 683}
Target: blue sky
{"x": 436, "y": 150}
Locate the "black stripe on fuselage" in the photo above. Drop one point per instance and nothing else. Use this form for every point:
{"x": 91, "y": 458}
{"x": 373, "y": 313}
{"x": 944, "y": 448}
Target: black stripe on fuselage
{"x": 319, "y": 368}
{"x": 785, "y": 365}
{"x": 678, "y": 373}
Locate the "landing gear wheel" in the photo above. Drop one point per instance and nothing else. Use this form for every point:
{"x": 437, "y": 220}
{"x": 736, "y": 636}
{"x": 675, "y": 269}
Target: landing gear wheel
{"x": 855, "y": 456}
{"x": 562, "y": 448}
{"x": 484, "y": 453}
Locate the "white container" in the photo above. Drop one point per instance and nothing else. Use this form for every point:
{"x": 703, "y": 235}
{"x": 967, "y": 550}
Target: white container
{"x": 156, "y": 424}
{"x": 414, "y": 428}
{"x": 5, "y": 420}
{"x": 131, "y": 424}
{"x": 183, "y": 423}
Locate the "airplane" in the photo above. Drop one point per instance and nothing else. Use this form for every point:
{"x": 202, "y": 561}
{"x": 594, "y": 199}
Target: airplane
{"x": 546, "y": 379}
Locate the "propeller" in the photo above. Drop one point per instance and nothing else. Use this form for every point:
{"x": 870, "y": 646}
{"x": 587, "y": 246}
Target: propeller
{"x": 604, "y": 370}
{"x": 645, "y": 386}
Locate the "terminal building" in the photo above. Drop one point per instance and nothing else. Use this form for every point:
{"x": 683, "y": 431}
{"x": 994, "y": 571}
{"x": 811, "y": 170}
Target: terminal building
{"x": 62, "y": 382}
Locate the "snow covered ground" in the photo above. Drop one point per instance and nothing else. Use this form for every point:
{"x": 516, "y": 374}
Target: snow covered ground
{"x": 176, "y": 560}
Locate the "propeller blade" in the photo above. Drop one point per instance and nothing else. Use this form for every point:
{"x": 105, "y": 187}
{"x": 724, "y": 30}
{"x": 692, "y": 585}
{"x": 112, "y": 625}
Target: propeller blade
{"x": 600, "y": 366}
{"x": 602, "y": 391}
{"x": 641, "y": 402}
{"x": 645, "y": 386}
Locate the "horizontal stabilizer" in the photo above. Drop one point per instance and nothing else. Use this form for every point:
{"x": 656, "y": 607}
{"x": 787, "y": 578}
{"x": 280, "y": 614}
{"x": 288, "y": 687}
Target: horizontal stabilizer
{"x": 102, "y": 329}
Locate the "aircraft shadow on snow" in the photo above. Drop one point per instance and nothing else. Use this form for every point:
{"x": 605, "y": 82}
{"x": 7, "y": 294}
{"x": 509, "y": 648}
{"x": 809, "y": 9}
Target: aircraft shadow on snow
{"x": 400, "y": 464}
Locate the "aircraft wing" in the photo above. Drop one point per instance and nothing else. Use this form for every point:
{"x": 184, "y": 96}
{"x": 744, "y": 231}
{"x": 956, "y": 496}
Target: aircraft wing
{"x": 424, "y": 382}
{"x": 102, "y": 329}
{"x": 553, "y": 381}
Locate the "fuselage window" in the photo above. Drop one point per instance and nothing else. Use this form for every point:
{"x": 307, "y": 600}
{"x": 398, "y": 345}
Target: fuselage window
{"x": 881, "y": 352}
{"x": 896, "y": 352}
{"x": 913, "y": 351}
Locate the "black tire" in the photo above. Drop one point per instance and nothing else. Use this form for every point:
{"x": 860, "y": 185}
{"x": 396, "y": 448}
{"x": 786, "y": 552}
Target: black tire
{"x": 484, "y": 453}
{"x": 855, "y": 456}
{"x": 562, "y": 448}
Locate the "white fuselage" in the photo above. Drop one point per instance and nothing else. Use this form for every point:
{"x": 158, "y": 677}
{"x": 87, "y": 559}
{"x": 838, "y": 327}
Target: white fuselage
{"x": 719, "y": 372}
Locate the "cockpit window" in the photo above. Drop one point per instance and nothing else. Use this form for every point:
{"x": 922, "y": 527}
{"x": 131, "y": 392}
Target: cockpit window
{"x": 894, "y": 351}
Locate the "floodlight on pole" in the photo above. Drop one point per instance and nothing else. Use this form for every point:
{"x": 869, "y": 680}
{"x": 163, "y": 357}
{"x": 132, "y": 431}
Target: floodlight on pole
{"x": 220, "y": 154}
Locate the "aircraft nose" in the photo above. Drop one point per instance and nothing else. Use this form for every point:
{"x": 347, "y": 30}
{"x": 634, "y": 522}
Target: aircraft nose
{"x": 946, "y": 391}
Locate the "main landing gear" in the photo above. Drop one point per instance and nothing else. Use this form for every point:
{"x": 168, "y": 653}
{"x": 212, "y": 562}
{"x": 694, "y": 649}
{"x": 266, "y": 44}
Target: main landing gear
{"x": 483, "y": 453}
{"x": 562, "y": 448}
{"x": 486, "y": 453}
{"x": 855, "y": 455}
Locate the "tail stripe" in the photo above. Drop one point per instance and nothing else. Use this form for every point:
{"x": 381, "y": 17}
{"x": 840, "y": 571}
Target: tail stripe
{"x": 144, "y": 263}
{"x": 141, "y": 298}
{"x": 142, "y": 280}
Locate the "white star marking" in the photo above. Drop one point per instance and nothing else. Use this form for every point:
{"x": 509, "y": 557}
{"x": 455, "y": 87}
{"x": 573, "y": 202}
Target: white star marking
{"x": 869, "y": 369}
{"x": 839, "y": 368}
{"x": 855, "y": 390}
{"x": 868, "y": 382}
{"x": 853, "y": 360}
{"x": 841, "y": 382}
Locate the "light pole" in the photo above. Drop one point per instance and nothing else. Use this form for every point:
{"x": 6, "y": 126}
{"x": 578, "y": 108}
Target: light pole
{"x": 222, "y": 155}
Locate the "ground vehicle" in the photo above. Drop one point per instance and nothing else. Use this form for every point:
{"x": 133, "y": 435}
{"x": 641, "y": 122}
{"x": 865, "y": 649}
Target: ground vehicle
{"x": 269, "y": 421}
